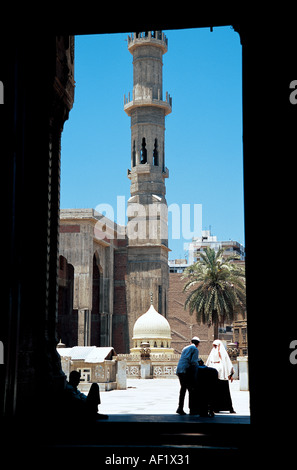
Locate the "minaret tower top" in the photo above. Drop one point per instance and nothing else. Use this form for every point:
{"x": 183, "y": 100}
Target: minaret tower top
{"x": 147, "y": 49}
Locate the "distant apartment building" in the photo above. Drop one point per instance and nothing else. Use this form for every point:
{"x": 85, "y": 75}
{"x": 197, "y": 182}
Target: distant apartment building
{"x": 182, "y": 323}
{"x": 199, "y": 244}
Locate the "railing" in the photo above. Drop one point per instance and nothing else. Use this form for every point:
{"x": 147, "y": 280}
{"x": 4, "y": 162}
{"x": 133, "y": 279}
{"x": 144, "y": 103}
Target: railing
{"x": 147, "y": 36}
{"x": 154, "y": 357}
{"x": 146, "y": 94}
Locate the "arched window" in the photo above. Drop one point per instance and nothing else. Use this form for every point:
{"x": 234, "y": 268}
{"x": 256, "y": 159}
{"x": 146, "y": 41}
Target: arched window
{"x": 156, "y": 153}
{"x": 133, "y": 154}
{"x": 143, "y": 152}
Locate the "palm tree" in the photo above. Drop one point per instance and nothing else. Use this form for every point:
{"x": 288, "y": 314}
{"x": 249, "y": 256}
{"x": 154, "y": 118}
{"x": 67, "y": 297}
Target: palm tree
{"x": 219, "y": 288}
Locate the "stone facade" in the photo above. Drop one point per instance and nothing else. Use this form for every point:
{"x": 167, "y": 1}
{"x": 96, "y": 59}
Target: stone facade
{"x": 161, "y": 365}
{"x": 240, "y": 336}
{"x": 90, "y": 257}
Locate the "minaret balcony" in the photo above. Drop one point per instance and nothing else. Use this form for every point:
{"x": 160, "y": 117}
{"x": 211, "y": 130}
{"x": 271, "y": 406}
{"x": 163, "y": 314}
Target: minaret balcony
{"x": 154, "y": 38}
{"x": 147, "y": 100}
{"x": 146, "y": 168}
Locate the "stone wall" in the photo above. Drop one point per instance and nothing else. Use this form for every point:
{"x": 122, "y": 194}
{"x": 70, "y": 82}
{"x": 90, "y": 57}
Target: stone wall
{"x": 162, "y": 366}
{"x": 103, "y": 373}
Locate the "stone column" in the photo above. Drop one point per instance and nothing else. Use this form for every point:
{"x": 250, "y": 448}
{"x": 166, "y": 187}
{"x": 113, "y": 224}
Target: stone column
{"x": 243, "y": 372}
{"x": 146, "y": 369}
{"x": 84, "y": 328}
{"x": 121, "y": 376}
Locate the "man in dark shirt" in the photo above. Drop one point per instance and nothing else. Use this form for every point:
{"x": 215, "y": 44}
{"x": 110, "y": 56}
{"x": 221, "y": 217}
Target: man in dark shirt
{"x": 189, "y": 357}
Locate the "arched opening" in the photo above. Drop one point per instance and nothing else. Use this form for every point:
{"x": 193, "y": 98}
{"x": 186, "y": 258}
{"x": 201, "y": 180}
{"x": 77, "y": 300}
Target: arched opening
{"x": 133, "y": 154}
{"x": 143, "y": 151}
{"x": 181, "y": 150}
{"x": 156, "y": 153}
{"x": 254, "y": 150}
{"x": 259, "y": 61}
{"x": 67, "y": 317}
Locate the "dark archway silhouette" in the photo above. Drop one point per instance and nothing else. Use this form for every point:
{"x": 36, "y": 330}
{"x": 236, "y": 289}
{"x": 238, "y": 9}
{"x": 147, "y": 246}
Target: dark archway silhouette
{"x": 37, "y": 101}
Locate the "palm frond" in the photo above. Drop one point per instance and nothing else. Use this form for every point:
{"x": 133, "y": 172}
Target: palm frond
{"x": 216, "y": 287}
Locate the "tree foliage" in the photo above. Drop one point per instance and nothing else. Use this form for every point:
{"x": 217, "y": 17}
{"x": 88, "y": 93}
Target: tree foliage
{"x": 216, "y": 287}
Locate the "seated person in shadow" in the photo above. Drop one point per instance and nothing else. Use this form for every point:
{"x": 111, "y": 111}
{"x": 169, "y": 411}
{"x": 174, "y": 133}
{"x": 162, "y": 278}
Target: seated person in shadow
{"x": 77, "y": 404}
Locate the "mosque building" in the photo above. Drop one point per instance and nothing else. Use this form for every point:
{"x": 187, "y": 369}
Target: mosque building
{"x": 107, "y": 272}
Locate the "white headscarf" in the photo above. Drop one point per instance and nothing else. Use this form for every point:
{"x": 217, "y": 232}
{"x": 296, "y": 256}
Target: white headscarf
{"x": 220, "y": 360}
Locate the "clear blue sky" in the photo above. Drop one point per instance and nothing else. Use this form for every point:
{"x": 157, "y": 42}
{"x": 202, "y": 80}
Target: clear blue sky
{"x": 203, "y": 137}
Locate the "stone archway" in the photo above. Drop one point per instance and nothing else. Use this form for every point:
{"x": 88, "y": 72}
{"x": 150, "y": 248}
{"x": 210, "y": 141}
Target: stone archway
{"x": 27, "y": 329}
{"x": 67, "y": 317}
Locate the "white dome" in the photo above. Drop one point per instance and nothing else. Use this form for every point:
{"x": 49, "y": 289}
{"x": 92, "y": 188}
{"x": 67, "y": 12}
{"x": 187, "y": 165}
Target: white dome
{"x": 151, "y": 325}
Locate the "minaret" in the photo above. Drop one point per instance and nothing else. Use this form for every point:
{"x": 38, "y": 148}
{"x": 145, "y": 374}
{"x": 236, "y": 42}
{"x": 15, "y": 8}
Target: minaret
{"x": 147, "y": 229}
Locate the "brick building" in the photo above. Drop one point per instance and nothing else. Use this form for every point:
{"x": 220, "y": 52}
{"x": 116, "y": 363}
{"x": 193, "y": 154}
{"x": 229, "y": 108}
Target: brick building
{"x": 183, "y": 325}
